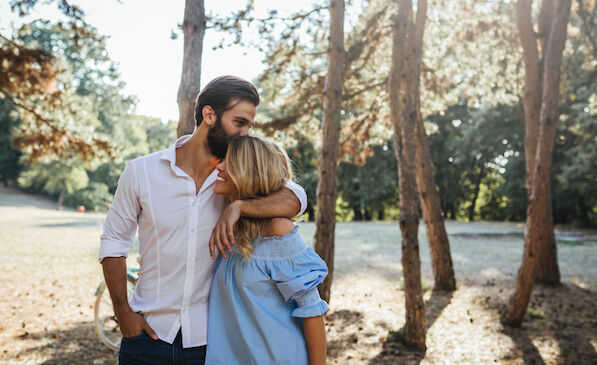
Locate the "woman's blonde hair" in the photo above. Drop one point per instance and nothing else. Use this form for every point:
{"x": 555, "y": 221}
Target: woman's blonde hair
{"x": 257, "y": 168}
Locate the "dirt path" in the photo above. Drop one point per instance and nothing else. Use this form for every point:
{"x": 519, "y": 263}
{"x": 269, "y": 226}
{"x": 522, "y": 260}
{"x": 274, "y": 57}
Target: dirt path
{"x": 49, "y": 273}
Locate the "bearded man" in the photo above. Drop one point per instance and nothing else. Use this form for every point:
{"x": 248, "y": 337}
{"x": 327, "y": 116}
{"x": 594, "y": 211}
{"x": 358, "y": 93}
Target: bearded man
{"x": 168, "y": 196}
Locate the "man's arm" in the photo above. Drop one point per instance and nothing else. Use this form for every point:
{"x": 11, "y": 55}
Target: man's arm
{"x": 131, "y": 323}
{"x": 284, "y": 203}
{"x": 118, "y": 232}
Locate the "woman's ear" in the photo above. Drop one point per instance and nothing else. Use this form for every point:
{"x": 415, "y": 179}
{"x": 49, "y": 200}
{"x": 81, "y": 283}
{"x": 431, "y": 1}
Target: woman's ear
{"x": 209, "y": 115}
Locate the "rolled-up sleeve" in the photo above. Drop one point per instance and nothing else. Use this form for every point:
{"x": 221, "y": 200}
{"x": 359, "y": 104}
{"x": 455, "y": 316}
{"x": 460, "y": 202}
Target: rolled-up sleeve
{"x": 300, "y": 194}
{"x": 120, "y": 226}
{"x": 297, "y": 279}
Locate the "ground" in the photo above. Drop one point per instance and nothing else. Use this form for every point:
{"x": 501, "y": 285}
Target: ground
{"x": 49, "y": 273}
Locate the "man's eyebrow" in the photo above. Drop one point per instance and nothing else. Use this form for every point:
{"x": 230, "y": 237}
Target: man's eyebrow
{"x": 241, "y": 119}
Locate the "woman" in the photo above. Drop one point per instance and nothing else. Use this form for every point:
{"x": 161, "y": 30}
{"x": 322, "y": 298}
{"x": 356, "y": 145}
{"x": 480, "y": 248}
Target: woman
{"x": 264, "y": 306}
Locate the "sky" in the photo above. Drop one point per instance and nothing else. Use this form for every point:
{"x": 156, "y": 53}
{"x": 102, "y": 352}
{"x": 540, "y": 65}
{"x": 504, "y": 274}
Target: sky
{"x": 149, "y": 61}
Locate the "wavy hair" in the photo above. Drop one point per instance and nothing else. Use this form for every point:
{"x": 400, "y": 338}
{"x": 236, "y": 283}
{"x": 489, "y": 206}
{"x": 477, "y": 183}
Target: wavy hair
{"x": 258, "y": 168}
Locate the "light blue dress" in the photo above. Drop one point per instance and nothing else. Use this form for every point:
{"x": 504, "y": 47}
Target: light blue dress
{"x": 256, "y": 305}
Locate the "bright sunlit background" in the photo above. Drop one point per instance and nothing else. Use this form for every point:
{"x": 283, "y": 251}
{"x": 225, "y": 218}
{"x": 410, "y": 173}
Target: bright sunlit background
{"x": 149, "y": 60}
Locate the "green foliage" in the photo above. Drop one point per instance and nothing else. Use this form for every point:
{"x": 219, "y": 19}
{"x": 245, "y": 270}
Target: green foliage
{"x": 94, "y": 197}
{"x": 535, "y": 313}
{"x": 9, "y": 156}
{"x": 304, "y": 160}
{"x": 54, "y": 177}
{"x": 369, "y": 189}
{"x": 97, "y": 87}
{"x": 474, "y": 148}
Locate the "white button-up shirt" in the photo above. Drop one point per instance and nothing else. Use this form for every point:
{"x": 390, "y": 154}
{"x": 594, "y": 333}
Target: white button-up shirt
{"x": 175, "y": 224}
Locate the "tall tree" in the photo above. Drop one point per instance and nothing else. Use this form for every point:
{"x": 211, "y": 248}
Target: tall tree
{"x": 193, "y": 27}
{"x": 437, "y": 237}
{"x": 534, "y": 56}
{"x": 404, "y": 93}
{"x": 55, "y": 120}
{"x": 556, "y": 12}
{"x": 328, "y": 160}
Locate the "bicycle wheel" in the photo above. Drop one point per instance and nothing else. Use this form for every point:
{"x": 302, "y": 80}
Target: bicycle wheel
{"x": 106, "y": 324}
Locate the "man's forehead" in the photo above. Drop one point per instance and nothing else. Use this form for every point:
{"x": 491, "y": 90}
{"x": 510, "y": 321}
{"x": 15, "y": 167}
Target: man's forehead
{"x": 243, "y": 109}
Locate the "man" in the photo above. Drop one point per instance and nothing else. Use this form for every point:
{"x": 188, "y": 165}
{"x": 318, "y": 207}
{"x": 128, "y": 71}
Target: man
{"x": 169, "y": 196}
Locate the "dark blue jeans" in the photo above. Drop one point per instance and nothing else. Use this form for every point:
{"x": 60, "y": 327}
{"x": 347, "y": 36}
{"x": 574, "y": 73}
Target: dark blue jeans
{"x": 143, "y": 350}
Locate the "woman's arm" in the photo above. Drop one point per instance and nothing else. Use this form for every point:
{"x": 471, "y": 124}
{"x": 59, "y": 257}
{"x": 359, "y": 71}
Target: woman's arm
{"x": 283, "y": 203}
{"x": 315, "y": 337}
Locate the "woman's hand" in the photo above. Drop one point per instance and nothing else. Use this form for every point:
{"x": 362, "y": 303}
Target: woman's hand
{"x": 222, "y": 237}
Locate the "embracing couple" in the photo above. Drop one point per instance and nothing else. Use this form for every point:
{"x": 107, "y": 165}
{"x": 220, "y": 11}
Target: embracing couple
{"x": 215, "y": 207}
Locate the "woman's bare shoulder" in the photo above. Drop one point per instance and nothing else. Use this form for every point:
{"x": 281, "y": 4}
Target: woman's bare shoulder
{"x": 277, "y": 227}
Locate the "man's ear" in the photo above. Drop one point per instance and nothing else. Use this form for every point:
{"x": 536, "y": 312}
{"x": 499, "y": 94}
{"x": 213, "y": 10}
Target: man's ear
{"x": 209, "y": 115}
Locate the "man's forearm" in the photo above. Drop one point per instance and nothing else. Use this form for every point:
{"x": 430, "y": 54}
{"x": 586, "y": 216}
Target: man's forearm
{"x": 115, "y": 276}
{"x": 283, "y": 204}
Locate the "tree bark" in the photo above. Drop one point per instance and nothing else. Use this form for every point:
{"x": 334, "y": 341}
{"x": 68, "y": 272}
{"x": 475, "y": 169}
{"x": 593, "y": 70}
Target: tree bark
{"x": 193, "y": 27}
{"x": 60, "y": 199}
{"x": 539, "y": 201}
{"x": 404, "y": 107}
{"x": 437, "y": 237}
{"x": 358, "y": 215}
{"x": 477, "y": 189}
{"x": 439, "y": 244}
{"x": 328, "y": 160}
{"x": 534, "y": 60}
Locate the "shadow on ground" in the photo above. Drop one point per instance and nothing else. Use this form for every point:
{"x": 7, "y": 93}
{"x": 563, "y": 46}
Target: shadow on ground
{"x": 393, "y": 349}
{"x": 346, "y": 323}
{"x": 75, "y": 345}
{"x": 566, "y": 314}
{"x": 88, "y": 222}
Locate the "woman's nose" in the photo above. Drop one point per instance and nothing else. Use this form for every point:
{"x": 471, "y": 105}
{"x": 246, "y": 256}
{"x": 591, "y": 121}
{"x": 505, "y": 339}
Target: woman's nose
{"x": 221, "y": 166}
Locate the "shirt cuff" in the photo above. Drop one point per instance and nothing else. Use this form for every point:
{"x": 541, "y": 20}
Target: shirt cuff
{"x": 300, "y": 193}
{"x": 112, "y": 248}
{"x": 310, "y": 305}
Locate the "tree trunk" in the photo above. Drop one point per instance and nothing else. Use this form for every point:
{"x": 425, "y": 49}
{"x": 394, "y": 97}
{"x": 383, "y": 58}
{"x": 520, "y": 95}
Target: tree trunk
{"x": 368, "y": 214}
{"x": 193, "y": 27}
{"x": 328, "y": 160}
{"x": 439, "y": 244}
{"x": 534, "y": 69}
{"x": 547, "y": 271}
{"x": 404, "y": 107}
{"x": 310, "y": 213}
{"x": 358, "y": 215}
{"x": 471, "y": 209}
{"x": 60, "y": 199}
{"x": 539, "y": 201}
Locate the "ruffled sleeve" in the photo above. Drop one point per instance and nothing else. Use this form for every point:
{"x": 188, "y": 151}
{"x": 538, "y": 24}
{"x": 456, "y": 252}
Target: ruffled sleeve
{"x": 297, "y": 279}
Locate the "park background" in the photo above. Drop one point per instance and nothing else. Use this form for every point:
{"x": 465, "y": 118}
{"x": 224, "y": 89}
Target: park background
{"x": 85, "y": 88}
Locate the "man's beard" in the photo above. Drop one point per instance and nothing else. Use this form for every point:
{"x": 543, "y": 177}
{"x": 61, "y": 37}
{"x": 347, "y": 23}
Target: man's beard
{"x": 218, "y": 139}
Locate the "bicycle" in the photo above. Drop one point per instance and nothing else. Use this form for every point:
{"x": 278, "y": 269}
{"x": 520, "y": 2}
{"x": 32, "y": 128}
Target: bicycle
{"x": 106, "y": 324}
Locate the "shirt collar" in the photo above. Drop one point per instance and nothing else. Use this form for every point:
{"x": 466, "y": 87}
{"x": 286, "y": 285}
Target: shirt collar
{"x": 169, "y": 154}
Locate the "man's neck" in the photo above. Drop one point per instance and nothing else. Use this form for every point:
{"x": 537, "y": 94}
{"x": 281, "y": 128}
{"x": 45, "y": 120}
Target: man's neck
{"x": 195, "y": 159}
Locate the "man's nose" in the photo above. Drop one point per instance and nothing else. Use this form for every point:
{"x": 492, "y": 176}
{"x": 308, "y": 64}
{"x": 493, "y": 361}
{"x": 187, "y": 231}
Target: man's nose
{"x": 244, "y": 131}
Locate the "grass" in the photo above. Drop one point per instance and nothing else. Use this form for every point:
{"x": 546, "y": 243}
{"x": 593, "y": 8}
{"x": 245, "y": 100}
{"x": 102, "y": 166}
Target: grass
{"x": 535, "y": 313}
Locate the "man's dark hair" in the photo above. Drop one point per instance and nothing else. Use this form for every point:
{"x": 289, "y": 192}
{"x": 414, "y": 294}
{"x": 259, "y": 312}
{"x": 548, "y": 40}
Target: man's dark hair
{"x": 223, "y": 93}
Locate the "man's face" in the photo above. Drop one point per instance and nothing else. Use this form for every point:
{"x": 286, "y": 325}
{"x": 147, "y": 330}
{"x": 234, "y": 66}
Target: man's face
{"x": 234, "y": 122}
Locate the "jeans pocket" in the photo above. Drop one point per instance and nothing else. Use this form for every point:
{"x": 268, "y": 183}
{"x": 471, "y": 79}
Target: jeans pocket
{"x": 134, "y": 338}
